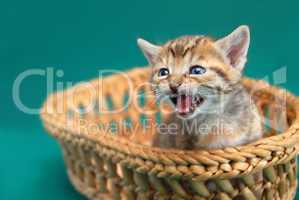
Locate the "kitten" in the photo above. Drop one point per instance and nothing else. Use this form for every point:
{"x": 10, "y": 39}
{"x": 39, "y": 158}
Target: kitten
{"x": 201, "y": 78}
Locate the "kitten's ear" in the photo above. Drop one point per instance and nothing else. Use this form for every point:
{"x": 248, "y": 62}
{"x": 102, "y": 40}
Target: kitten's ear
{"x": 150, "y": 51}
{"x": 235, "y": 47}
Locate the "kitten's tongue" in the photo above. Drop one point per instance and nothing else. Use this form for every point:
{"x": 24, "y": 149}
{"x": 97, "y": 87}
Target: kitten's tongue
{"x": 184, "y": 104}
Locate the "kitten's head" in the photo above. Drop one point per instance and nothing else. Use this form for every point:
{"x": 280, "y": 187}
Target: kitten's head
{"x": 194, "y": 71}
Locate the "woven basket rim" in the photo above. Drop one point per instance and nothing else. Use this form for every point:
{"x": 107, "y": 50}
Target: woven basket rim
{"x": 172, "y": 162}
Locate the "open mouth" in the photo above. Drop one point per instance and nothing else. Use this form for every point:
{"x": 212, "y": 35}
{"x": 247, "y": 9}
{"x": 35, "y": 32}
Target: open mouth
{"x": 186, "y": 104}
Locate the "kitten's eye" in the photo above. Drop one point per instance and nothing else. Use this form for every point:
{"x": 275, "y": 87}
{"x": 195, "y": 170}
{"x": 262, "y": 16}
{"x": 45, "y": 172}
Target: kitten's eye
{"x": 163, "y": 72}
{"x": 197, "y": 69}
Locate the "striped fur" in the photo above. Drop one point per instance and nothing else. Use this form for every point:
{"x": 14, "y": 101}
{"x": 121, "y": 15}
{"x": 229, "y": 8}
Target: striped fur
{"x": 227, "y": 116}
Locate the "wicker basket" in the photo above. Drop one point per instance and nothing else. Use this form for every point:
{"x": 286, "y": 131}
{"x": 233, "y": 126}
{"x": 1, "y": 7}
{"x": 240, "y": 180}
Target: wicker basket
{"x": 108, "y": 164}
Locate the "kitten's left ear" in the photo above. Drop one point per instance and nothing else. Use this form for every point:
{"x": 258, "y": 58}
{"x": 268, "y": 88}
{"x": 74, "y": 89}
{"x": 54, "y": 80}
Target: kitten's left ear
{"x": 150, "y": 51}
{"x": 235, "y": 47}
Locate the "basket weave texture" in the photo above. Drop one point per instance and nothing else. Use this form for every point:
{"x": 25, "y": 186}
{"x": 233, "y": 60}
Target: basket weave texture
{"x": 108, "y": 164}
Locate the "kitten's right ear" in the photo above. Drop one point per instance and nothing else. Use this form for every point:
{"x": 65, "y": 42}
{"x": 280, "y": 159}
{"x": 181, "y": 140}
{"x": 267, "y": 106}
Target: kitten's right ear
{"x": 150, "y": 51}
{"x": 235, "y": 46}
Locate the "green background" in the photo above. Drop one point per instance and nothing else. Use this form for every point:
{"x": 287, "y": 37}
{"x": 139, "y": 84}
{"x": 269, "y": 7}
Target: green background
{"x": 81, "y": 37}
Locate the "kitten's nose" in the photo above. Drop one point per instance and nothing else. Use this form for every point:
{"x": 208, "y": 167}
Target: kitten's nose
{"x": 175, "y": 82}
{"x": 174, "y": 86}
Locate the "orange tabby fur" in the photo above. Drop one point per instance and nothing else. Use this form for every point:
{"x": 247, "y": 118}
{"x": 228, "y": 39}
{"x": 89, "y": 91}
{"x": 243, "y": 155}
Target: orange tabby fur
{"x": 226, "y": 110}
